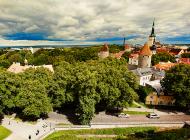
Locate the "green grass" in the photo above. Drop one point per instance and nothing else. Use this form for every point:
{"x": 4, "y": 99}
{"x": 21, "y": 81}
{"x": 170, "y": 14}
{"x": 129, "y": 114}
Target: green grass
{"x": 64, "y": 124}
{"x": 4, "y": 132}
{"x": 133, "y": 133}
{"x": 136, "y": 112}
{"x": 133, "y": 105}
{"x": 176, "y": 134}
{"x": 72, "y": 134}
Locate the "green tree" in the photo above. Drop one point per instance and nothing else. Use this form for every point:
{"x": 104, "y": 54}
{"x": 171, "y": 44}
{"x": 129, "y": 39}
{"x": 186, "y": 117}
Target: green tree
{"x": 163, "y": 56}
{"x": 177, "y": 83}
{"x": 61, "y": 89}
{"x": 126, "y": 56}
{"x": 32, "y": 99}
{"x": 185, "y": 55}
{"x": 85, "y": 84}
{"x": 85, "y": 109}
{"x": 9, "y": 87}
{"x": 143, "y": 92}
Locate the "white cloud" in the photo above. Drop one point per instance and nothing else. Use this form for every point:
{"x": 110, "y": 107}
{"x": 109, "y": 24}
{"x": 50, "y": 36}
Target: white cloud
{"x": 90, "y": 19}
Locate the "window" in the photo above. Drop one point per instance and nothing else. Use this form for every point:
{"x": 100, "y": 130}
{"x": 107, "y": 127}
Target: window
{"x": 161, "y": 102}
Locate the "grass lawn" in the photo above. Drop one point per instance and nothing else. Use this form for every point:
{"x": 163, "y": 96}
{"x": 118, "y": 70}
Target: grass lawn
{"x": 136, "y": 112}
{"x": 133, "y": 105}
{"x": 119, "y": 132}
{"x": 133, "y": 133}
{"x": 4, "y": 132}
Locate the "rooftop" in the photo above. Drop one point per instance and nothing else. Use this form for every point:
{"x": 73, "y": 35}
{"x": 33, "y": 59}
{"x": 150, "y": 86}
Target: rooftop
{"x": 145, "y": 50}
{"x": 164, "y": 65}
{"x": 142, "y": 71}
{"x": 105, "y": 48}
{"x": 184, "y": 60}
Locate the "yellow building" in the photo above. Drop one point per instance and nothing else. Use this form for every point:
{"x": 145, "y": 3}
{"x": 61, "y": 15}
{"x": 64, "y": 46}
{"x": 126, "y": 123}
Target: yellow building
{"x": 154, "y": 99}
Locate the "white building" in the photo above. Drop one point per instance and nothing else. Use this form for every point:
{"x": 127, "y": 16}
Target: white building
{"x": 133, "y": 59}
{"x": 144, "y": 75}
{"x": 17, "y": 68}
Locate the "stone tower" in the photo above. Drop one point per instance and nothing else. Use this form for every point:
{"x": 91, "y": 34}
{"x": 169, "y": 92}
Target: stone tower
{"x": 152, "y": 36}
{"x": 145, "y": 57}
{"x": 104, "y": 51}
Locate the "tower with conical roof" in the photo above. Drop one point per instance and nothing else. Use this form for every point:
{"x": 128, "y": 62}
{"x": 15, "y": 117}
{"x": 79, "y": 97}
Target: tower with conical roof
{"x": 145, "y": 57}
{"x": 152, "y": 36}
{"x": 104, "y": 51}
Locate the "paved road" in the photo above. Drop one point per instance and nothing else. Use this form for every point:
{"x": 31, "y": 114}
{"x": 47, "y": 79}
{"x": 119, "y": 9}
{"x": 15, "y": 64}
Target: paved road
{"x": 103, "y": 118}
{"x": 22, "y": 130}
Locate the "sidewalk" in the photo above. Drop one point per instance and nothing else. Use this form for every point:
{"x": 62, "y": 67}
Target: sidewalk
{"x": 22, "y": 130}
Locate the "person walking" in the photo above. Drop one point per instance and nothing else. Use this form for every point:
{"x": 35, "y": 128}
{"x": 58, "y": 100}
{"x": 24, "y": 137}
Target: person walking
{"x": 29, "y": 137}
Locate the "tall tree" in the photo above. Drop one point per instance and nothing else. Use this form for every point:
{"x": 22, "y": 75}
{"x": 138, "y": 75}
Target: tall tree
{"x": 32, "y": 99}
{"x": 163, "y": 56}
{"x": 9, "y": 87}
{"x": 177, "y": 83}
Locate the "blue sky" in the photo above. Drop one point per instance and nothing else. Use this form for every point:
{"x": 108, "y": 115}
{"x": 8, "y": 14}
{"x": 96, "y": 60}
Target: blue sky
{"x": 65, "y": 22}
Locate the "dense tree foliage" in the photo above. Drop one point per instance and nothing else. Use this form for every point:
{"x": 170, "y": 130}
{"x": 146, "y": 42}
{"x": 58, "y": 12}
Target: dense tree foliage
{"x": 80, "y": 80}
{"x": 25, "y": 93}
{"x": 85, "y": 84}
{"x": 32, "y": 99}
{"x": 177, "y": 83}
{"x": 113, "y": 48}
{"x": 162, "y": 57}
{"x": 185, "y": 55}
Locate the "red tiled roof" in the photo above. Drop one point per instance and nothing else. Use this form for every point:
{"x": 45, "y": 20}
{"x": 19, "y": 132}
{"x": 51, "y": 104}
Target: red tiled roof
{"x": 159, "y": 50}
{"x": 134, "y": 55}
{"x": 184, "y": 60}
{"x": 145, "y": 50}
{"x": 127, "y": 46}
{"x": 164, "y": 65}
{"x": 174, "y": 51}
{"x": 119, "y": 54}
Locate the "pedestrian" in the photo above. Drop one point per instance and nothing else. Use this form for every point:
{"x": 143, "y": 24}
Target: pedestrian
{"x": 9, "y": 122}
{"x": 29, "y": 137}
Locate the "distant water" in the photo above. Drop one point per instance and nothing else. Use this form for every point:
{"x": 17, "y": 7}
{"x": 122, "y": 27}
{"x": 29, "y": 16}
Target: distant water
{"x": 47, "y": 46}
{"x": 71, "y": 46}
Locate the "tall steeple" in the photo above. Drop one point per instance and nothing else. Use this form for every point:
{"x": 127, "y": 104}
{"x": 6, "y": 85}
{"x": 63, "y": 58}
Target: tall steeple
{"x": 152, "y": 36}
{"x": 153, "y": 32}
{"x": 124, "y": 42}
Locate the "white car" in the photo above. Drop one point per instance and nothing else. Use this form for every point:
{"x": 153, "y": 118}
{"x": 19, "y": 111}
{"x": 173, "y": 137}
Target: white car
{"x": 123, "y": 115}
{"x": 153, "y": 116}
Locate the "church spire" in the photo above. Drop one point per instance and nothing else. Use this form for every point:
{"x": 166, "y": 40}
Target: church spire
{"x": 124, "y": 41}
{"x": 152, "y": 32}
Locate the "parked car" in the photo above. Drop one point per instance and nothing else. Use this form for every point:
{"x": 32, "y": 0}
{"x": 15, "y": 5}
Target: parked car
{"x": 153, "y": 116}
{"x": 123, "y": 115}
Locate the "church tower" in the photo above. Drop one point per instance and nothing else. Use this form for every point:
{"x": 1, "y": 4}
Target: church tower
{"x": 153, "y": 47}
{"x": 152, "y": 36}
{"x": 145, "y": 57}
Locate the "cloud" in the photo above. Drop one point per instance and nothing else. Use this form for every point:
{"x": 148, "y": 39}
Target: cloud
{"x": 84, "y": 20}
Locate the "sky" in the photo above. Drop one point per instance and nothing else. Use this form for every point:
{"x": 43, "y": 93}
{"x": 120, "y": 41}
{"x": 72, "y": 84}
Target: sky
{"x": 80, "y": 22}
